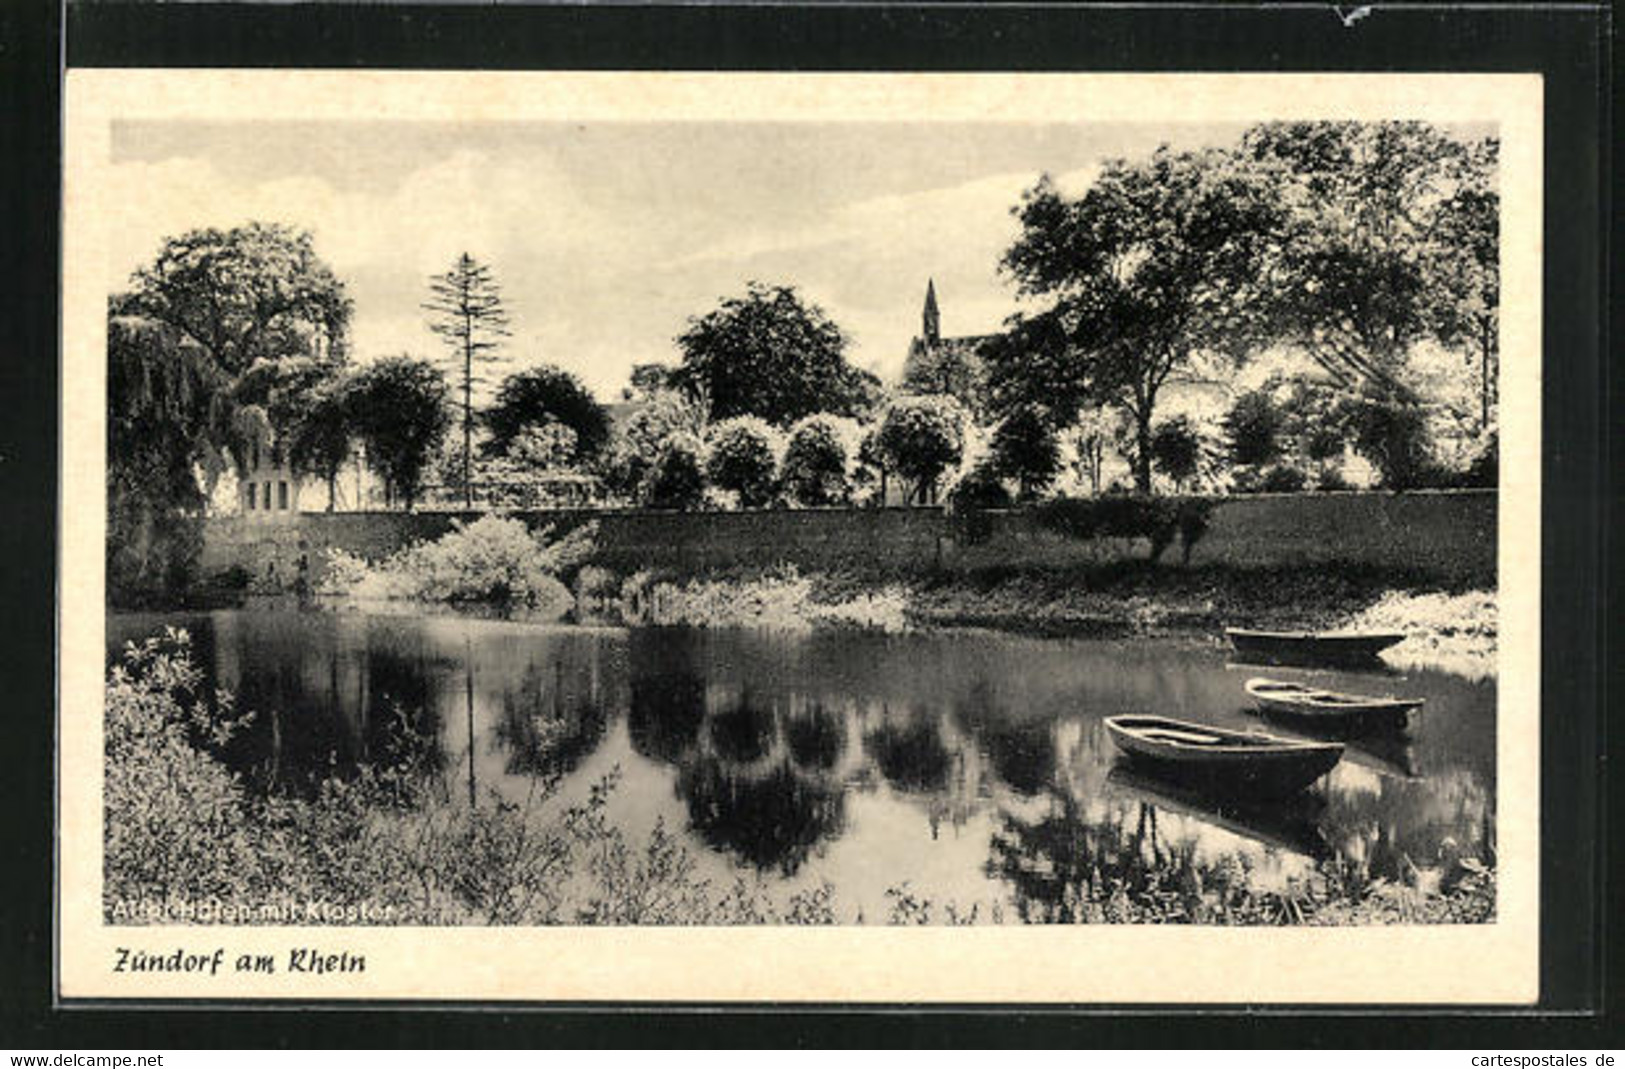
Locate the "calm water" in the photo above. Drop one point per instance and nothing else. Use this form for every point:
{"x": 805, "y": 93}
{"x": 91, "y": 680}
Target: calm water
{"x": 973, "y": 767}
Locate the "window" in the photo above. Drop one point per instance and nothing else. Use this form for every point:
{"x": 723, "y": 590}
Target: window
{"x": 282, "y": 494}
{"x": 250, "y": 489}
{"x": 267, "y": 496}
{"x": 256, "y": 452}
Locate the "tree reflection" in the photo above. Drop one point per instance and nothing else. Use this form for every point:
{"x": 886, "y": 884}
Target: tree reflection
{"x": 666, "y": 714}
{"x": 911, "y": 756}
{"x": 1022, "y": 754}
{"x": 540, "y": 744}
{"x": 816, "y": 738}
{"x": 1065, "y": 868}
{"x": 772, "y": 821}
{"x": 742, "y": 732}
{"x": 667, "y": 694}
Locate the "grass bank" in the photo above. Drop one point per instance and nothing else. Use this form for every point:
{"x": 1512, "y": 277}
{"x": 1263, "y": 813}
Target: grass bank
{"x": 1455, "y": 629}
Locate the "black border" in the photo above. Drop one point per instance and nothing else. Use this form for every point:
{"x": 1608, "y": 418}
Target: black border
{"x": 1569, "y": 45}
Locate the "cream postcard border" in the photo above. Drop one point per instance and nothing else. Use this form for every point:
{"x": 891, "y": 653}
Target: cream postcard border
{"x": 1495, "y": 963}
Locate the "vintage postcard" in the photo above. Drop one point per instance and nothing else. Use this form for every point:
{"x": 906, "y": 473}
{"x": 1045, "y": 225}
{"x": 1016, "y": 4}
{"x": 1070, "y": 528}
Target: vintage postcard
{"x": 968, "y": 538}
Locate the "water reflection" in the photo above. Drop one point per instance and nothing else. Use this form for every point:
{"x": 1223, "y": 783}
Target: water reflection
{"x": 974, "y": 767}
{"x": 770, "y": 820}
{"x": 1290, "y": 824}
{"x": 816, "y": 738}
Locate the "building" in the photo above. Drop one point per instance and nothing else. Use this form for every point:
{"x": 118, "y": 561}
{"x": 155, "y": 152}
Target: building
{"x": 267, "y": 488}
{"x": 953, "y": 366}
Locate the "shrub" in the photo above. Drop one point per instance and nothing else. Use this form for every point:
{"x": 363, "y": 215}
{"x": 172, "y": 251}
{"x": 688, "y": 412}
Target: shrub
{"x": 1277, "y": 479}
{"x": 814, "y": 471}
{"x": 676, "y": 480}
{"x": 978, "y": 489}
{"x": 1253, "y": 428}
{"x": 1332, "y": 480}
{"x": 1393, "y": 435}
{"x": 740, "y": 458}
{"x": 921, "y": 437}
{"x": 1282, "y": 479}
{"x": 597, "y": 584}
{"x": 638, "y": 443}
{"x": 1156, "y": 519}
{"x": 492, "y": 559}
{"x": 1176, "y": 449}
{"x": 1025, "y": 449}
{"x": 174, "y": 814}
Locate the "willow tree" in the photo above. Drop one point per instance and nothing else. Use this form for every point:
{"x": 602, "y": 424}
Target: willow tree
{"x": 466, "y": 311}
{"x": 213, "y": 309}
{"x": 1135, "y": 281}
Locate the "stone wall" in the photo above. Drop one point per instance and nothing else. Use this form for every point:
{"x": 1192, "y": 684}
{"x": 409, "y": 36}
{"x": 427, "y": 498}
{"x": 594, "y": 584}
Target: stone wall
{"x": 1446, "y": 536}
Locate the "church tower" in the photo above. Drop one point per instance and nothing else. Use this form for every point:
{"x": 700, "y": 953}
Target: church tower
{"x": 932, "y": 321}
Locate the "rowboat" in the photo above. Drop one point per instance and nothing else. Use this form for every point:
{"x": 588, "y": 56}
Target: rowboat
{"x": 1302, "y": 702}
{"x": 1312, "y": 647}
{"x": 1217, "y": 759}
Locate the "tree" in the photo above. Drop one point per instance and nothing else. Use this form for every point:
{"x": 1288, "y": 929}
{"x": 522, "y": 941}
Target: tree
{"x": 1253, "y": 428}
{"x": 255, "y": 292}
{"x": 920, "y": 438}
{"x": 1465, "y": 270}
{"x": 304, "y": 406}
{"x": 1095, "y": 429}
{"x": 646, "y": 381}
{"x": 770, "y": 354}
{"x": 740, "y": 457}
{"x": 814, "y": 470}
{"x": 544, "y": 446}
{"x": 1176, "y": 450}
{"x": 1026, "y": 449}
{"x": 676, "y": 479}
{"x": 247, "y": 298}
{"x": 401, "y": 414}
{"x": 538, "y": 395}
{"x": 465, "y": 308}
{"x": 319, "y": 437}
{"x": 1392, "y": 434}
{"x": 164, "y": 394}
{"x": 1379, "y": 218}
{"x": 1141, "y": 275}
{"x": 637, "y": 443}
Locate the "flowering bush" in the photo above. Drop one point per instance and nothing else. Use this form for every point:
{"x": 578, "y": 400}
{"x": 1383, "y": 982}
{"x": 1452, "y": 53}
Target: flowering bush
{"x": 677, "y": 478}
{"x": 492, "y": 559}
{"x": 741, "y": 458}
{"x": 921, "y": 437}
{"x": 815, "y": 462}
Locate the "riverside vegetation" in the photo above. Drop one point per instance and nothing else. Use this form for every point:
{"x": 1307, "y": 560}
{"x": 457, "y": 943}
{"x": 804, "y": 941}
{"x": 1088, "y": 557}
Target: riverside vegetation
{"x": 496, "y": 562}
{"x": 388, "y": 842}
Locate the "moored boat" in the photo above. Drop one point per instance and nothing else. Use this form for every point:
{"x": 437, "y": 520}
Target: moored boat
{"x": 1251, "y": 762}
{"x": 1312, "y": 647}
{"x": 1299, "y": 701}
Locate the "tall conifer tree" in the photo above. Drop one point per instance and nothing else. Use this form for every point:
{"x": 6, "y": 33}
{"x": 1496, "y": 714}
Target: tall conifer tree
{"x": 465, "y": 309}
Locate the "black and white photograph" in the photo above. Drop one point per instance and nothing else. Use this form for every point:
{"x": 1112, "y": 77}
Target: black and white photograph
{"x": 665, "y": 518}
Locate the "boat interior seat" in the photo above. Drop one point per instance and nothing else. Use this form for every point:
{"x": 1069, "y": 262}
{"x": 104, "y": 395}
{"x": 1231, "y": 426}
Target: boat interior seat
{"x": 1174, "y": 735}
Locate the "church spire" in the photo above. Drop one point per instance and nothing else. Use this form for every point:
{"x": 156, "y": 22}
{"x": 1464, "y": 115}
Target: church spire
{"x": 933, "y": 325}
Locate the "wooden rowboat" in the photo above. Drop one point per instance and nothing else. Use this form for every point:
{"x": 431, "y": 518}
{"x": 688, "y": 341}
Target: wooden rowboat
{"x": 1312, "y": 647}
{"x": 1216, "y": 759}
{"x": 1302, "y": 702}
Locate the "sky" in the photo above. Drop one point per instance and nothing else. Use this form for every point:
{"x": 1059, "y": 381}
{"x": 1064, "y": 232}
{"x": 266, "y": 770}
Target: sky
{"x": 607, "y": 237}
